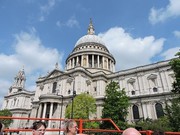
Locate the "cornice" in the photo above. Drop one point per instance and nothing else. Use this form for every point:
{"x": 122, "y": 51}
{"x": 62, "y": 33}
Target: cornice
{"x": 27, "y": 93}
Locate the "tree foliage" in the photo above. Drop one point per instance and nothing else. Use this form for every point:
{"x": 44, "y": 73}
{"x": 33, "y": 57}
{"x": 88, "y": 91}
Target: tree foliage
{"x": 6, "y": 112}
{"x": 115, "y": 106}
{"x": 160, "y": 124}
{"x": 84, "y": 106}
{"x": 173, "y": 111}
{"x": 173, "y": 114}
{"x": 175, "y": 65}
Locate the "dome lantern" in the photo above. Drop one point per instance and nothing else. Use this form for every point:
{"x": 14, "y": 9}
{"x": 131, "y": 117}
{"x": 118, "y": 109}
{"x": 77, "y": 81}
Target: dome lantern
{"x": 91, "y": 28}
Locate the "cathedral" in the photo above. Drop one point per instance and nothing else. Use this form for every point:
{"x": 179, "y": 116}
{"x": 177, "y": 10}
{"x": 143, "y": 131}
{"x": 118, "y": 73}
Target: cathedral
{"x": 89, "y": 68}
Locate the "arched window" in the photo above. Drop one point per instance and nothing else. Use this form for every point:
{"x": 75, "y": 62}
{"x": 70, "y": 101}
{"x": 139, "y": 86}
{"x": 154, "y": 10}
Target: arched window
{"x": 155, "y": 89}
{"x": 159, "y": 110}
{"x": 135, "y": 112}
{"x": 54, "y": 87}
{"x": 133, "y": 92}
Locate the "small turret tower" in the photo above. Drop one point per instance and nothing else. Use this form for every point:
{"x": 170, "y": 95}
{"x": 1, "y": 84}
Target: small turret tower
{"x": 20, "y": 79}
{"x": 19, "y": 82}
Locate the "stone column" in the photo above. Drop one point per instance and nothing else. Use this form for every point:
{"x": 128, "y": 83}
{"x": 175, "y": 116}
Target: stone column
{"x": 63, "y": 110}
{"x": 70, "y": 63}
{"x": 40, "y": 110}
{"x": 87, "y": 62}
{"x": 44, "y": 110}
{"x": 73, "y": 63}
{"x": 33, "y": 114}
{"x": 141, "y": 111}
{"x": 131, "y": 118}
{"x": 103, "y": 62}
{"x": 34, "y": 111}
{"x": 122, "y": 83}
{"x": 148, "y": 110}
{"x": 166, "y": 84}
{"x": 107, "y": 63}
{"x": 61, "y": 115}
{"x": 50, "y": 115}
{"x": 144, "y": 108}
{"x": 82, "y": 57}
{"x": 144, "y": 82}
{"x": 77, "y": 61}
{"x": 139, "y": 81}
{"x": 113, "y": 67}
{"x": 153, "y": 111}
{"x": 161, "y": 82}
{"x": 97, "y": 61}
{"x": 23, "y": 102}
{"x": 169, "y": 85}
{"x": 92, "y": 61}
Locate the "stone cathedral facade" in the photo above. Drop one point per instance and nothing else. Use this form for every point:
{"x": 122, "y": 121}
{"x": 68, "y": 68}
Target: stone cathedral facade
{"x": 89, "y": 68}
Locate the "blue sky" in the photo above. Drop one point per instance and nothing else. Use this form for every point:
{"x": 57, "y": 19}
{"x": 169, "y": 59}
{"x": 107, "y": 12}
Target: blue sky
{"x": 35, "y": 34}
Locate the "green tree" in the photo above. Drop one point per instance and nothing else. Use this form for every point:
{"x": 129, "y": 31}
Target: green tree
{"x": 173, "y": 111}
{"x": 84, "y": 106}
{"x": 158, "y": 124}
{"x": 6, "y": 113}
{"x": 175, "y": 65}
{"x": 173, "y": 114}
{"x": 115, "y": 106}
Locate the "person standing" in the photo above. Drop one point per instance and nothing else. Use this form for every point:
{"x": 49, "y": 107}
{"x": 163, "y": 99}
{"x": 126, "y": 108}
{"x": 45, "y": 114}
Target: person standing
{"x": 131, "y": 131}
{"x": 38, "y": 128}
{"x": 71, "y": 127}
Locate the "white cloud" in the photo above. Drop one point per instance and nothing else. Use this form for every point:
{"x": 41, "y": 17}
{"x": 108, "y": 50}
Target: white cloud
{"x": 176, "y": 34}
{"x": 160, "y": 15}
{"x": 71, "y": 22}
{"x": 59, "y": 23}
{"x": 46, "y": 8}
{"x": 30, "y": 53}
{"x": 128, "y": 51}
{"x": 169, "y": 54}
{"x": 4, "y": 87}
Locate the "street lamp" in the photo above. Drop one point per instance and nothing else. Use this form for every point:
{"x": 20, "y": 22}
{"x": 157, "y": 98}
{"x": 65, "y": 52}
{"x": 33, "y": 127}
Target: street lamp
{"x": 73, "y": 95}
{"x": 61, "y": 111}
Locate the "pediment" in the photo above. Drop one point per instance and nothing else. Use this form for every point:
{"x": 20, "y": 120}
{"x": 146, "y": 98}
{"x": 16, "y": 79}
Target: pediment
{"x": 131, "y": 80}
{"x": 55, "y": 73}
{"x": 152, "y": 76}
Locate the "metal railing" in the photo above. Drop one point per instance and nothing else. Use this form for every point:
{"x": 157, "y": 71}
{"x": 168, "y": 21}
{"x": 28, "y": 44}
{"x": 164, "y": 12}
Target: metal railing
{"x": 81, "y": 129}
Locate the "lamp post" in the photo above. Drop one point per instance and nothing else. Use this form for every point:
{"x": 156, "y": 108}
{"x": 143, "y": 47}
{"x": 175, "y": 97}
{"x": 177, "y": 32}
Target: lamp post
{"x": 73, "y": 95}
{"x": 61, "y": 111}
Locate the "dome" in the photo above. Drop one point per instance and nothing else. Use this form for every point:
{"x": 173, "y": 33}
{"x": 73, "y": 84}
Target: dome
{"x": 91, "y": 54}
{"x": 89, "y": 38}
